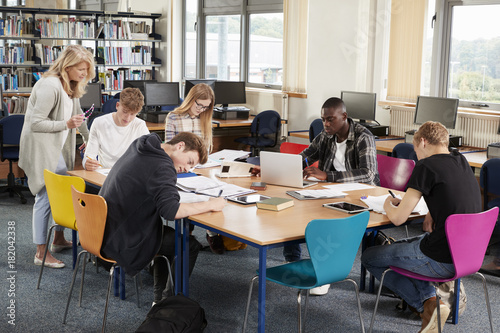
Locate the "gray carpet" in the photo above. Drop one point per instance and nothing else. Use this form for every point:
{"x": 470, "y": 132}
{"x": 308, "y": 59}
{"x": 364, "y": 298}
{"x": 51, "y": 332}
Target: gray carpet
{"x": 219, "y": 284}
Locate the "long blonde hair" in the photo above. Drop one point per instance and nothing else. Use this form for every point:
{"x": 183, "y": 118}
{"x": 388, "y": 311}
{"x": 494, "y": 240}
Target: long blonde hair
{"x": 72, "y": 56}
{"x": 200, "y": 91}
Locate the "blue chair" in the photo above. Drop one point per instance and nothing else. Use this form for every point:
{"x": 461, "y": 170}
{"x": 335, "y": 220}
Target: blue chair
{"x": 10, "y": 136}
{"x": 4, "y": 112}
{"x": 489, "y": 180}
{"x": 315, "y": 128}
{"x": 404, "y": 150}
{"x": 332, "y": 245}
{"x": 265, "y": 130}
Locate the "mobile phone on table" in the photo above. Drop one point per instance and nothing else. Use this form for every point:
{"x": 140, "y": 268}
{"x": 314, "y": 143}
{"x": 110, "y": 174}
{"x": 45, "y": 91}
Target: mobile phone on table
{"x": 259, "y": 186}
{"x": 248, "y": 198}
{"x": 346, "y": 207}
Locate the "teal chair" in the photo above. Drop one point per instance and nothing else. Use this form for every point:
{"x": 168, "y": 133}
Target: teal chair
{"x": 332, "y": 245}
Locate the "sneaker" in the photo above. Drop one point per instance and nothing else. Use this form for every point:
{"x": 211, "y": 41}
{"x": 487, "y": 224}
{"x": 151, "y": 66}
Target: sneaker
{"x": 216, "y": 244}
{"x": 320, "y": 291}
{"x": 429, "y": 316}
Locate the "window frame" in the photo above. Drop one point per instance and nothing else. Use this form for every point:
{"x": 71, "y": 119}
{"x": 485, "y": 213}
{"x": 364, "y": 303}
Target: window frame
{"x": 244, "y": 10}
{"x": 441, "y": 52}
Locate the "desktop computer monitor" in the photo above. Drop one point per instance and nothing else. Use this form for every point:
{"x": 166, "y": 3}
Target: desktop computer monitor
{"x": 191, "y": 83}
{"x": 92, "y": 96}
{"x": 360, "y": 105}
{"x": 230, "y": 92}
{"x": 161, "y": 94}
{"x": 443, "y": 110}
{"x": 136, "y": 84}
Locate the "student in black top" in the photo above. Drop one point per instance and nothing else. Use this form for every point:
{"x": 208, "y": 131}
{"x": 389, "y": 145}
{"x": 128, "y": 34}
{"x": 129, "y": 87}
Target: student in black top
{"x": 139, "y": 190}
{"x": 448, "y": 186}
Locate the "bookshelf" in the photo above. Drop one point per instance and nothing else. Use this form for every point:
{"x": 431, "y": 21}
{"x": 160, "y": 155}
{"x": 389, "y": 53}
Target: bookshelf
{"x": 123, "y": 43}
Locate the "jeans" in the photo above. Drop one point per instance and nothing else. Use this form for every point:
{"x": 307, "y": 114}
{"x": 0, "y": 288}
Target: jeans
{"x": 406, "y": 254}
{"x": 160, "y": 269}
{"x": 292, "y": 252}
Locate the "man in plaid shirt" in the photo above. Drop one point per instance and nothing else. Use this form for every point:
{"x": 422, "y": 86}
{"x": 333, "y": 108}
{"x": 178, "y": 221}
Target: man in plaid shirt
{"x": 345, "y": 150}
{"x": 346, "y": 153}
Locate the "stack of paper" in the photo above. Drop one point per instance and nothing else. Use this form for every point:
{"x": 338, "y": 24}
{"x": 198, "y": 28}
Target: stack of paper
{"x": 377, "y": 204}
{"x": 216, "y": 159}
{"x": 211, "y": 187}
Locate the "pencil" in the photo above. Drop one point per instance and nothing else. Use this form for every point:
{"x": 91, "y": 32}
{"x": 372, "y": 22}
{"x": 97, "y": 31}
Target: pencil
{"x": 92, "y": 160}
{"x": 307, "y": 163}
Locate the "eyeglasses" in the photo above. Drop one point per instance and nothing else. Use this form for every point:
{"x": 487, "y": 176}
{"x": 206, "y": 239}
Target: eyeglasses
{"x": 201, "y": 107}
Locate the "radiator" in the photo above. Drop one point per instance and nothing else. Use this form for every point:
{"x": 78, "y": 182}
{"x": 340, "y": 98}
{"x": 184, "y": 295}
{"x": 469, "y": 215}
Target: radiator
{"x": 477, "y": 130}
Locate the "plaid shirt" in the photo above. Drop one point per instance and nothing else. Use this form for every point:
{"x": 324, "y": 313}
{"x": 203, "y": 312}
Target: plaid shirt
{"x": 360, "y": 156}
{"x": 176, "y": 123}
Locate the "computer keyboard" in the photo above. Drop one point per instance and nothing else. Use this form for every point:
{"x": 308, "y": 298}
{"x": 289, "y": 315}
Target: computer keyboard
{"x": 234, "y": 108}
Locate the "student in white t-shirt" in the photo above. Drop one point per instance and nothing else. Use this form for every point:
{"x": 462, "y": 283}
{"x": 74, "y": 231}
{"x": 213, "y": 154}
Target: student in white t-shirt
{"x": 111, "y": 134}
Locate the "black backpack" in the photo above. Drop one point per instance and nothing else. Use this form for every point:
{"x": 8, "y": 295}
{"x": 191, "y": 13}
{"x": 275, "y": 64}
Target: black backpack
{"x": 174, "y": 314}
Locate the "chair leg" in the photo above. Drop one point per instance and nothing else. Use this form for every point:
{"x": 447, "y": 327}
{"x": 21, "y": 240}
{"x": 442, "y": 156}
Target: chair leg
{"x": 487, "y": 298}
{"x": 248, "y": 303}
{"x": 81, "y": 282}
{"x": 438, "y": 307}
{"x": 137, "y": 291}
{"x": 378, "y": 298}
{"x": 456, "y": 308}
{"x": 75, "y": 271}
{"x": 299, "y": 310}
{"x": 47, "y": 242}
{"x": 359, "y": 303}
{"x": 111, "y": 272}
{"x": 169, "y": 271}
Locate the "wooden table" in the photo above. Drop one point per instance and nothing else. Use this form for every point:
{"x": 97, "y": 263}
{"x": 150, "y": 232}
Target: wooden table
{"x": 262, "y": 229}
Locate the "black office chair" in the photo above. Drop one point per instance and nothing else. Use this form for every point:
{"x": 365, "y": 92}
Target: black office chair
{"x": 315, "y": 128}
{"x": 264, "y": 131}
{"x": 404, "y": 150}
{"x": 10, "y": 135}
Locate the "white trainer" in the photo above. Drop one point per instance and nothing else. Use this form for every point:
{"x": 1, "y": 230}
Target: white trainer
{"x": 320, "y": 291}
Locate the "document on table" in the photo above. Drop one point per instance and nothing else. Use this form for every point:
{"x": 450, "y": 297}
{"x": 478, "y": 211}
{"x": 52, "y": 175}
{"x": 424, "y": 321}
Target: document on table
{"x": 345, "y": 187}
{"x": 316, "y": 194}
{"x": 103, "y": 171}
{"x": 377, "y": 204}
{"x": 216, "y": 159}
{"x": 211, "y": 187}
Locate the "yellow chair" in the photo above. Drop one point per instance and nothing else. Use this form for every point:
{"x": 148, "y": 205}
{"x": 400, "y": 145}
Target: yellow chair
{"x": 91, "y": 212}
{"x": 59, "y": 193}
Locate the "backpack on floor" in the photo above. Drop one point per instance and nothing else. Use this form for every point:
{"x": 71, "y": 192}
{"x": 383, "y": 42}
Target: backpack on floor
{"x": 174, "y": 314}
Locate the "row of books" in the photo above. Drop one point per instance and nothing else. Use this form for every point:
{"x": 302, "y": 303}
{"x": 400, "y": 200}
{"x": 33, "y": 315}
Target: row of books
{"x": 48, "y": 54}
{"x": 67, "y": 27}
{"x": 115, "y": 55}
{"x": 16, "y": 54}
{"x": 113, "y": 79}
{"x": 17, "y": 104}
{"x": 16, "y": 26}
{"x": 118, "y": 29}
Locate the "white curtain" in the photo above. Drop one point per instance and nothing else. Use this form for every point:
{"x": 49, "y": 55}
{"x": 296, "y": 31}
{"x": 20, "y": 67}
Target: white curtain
{"x": 296, "y": 13}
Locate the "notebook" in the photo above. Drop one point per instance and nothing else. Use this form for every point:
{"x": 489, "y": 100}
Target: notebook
{"x": 282, "y": 169}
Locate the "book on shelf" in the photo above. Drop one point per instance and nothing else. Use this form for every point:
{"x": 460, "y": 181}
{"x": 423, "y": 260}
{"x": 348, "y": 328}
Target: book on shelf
{"x": 275, "y": 203}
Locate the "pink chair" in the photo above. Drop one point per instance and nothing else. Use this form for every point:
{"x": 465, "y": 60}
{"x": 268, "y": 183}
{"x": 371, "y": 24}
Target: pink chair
{"x": 394, "y": 172}
{"x": 468, "y": 237}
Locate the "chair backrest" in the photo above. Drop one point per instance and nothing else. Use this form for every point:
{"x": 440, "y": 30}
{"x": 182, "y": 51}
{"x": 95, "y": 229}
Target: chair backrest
{"x": 468, "y": 237}
{"x": 333, "y": 244}
{"x": 110, "y": 105}
{"x": 10, "y": 129}
{"x": 292, "y": 148}
{"x": 394, "y": 172}
{"x": 59, "y": 193}
{"x": 489, "y": 178}
{"x": 91, "y": 212}
{"x": 315, "y": 128}
{"x": 404, "y": 150}
{"x": 266, "y": 122}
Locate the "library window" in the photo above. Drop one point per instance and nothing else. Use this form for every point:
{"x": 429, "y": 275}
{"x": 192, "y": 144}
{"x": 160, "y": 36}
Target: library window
{"x": 472, "y": 73}
{"x": 227, "y": 41}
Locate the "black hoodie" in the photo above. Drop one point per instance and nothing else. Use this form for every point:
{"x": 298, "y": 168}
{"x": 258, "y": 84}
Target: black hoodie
{"x": 138, "y": 190}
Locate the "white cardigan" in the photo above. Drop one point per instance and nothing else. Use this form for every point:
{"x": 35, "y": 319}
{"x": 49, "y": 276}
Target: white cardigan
{"x": 43, "y": 130}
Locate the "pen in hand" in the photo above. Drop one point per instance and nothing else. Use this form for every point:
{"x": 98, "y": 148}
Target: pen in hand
{"x": 392, "y": 194}
{"x": 92, "y": 160}
{"x": 220, "y": 193}
{"x": 307, "y": 163}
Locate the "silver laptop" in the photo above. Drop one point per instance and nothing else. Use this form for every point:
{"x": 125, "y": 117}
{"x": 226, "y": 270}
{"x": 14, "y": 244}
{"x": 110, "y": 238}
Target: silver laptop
{"x": 282, "y": 169}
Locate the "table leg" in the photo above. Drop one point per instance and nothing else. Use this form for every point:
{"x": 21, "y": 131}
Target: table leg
{"x": 185, "y": 257}
{"x": 178, "y": 257}
{"x": 262, "y": 289}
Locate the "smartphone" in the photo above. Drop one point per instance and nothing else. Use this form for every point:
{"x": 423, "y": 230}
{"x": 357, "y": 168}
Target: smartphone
{"x": 259, "y": 186}
{"x": 346, "y": 207}
{"x": 248, "y": 198}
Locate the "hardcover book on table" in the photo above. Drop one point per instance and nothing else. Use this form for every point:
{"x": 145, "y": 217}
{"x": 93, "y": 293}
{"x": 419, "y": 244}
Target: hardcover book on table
{"x": 275, "y": 203}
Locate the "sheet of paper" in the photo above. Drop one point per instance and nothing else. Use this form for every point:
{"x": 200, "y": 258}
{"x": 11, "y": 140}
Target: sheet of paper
{"x": 199, "y": 183}
{"x": 188, "y": 197}
{"x": 377, "y": 204}
{"x": 228, "y": 190}
{"x": 325, "y": 193}
{"x": 103, "y": 171}
{"x": 346, "y": 187}
{"x": 216, "y": 159}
